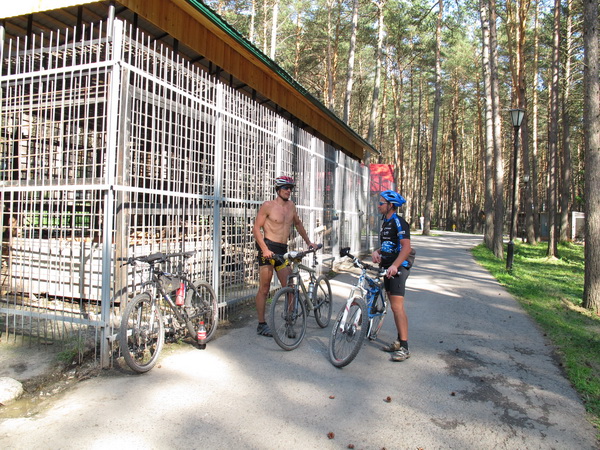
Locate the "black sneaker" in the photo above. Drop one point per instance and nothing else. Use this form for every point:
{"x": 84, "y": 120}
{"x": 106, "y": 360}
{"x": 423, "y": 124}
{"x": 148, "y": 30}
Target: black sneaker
{"x": 291, "y": 333}
{"x": 264, "y": 330}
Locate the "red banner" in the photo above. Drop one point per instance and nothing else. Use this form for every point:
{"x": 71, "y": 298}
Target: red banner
{"x": 382, "y": 177}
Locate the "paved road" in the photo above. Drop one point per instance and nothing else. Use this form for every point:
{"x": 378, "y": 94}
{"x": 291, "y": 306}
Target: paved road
{"x": 481, "y": 376}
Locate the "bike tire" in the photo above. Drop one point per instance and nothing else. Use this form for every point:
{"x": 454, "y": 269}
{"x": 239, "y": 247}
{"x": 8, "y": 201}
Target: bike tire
{"x": 281, "y": 320}
{"x": 142, "y": 333}
{"x": 322, "y": 301}
{"x": 345, "y": 342}
{"x": 203, "y": 301}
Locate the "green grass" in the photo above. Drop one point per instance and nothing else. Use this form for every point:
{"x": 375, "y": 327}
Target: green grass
{"x": 551, "y": 291}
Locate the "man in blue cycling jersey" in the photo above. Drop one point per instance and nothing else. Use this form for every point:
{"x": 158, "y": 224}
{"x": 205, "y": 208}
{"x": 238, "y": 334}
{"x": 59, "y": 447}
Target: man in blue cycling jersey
{"x": 395, "y": 255}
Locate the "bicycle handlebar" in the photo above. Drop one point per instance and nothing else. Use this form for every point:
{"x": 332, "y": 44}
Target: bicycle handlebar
{"x": 158, "y": 257}
{"x": 361, "y": 264}
{"x": 296, "y": 255}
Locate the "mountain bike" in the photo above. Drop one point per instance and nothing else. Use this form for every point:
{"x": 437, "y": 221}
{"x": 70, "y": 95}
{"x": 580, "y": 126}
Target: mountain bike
{"x": 361, "y": 316}
{"x": 292, "y": 303}
{"x": 171, "y": 305}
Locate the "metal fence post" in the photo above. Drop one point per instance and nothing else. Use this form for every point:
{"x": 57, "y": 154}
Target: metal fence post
{"x": 109, "y": 193}
{"x": 218, "y": 189}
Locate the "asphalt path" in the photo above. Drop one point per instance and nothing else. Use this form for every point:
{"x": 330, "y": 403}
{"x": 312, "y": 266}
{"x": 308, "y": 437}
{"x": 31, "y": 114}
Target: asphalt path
{"x": 481, "y": 376}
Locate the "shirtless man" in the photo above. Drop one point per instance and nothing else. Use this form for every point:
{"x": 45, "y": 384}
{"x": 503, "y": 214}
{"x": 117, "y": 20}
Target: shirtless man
{"x": 275, "y": 218}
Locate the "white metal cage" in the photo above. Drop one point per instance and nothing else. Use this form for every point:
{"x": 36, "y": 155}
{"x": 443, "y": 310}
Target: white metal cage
{"x": 112, "y": 145}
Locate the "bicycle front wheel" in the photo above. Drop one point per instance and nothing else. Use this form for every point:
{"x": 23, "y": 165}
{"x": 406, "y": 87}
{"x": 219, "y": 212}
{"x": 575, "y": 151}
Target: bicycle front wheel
{"x": 322, "y": 301}
{"x": 288, "y": 318}
{"x": 348, "y": 333}
{"x": 142, "y": 334}
{"x": 204, "y": 307}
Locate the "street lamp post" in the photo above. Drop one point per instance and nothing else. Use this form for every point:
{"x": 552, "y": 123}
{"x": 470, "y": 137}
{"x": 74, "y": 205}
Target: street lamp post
{"x": 516, "y": 116}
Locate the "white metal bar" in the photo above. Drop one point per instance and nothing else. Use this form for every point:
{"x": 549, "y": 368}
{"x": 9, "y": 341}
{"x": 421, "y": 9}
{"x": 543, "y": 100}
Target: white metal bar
{"x": 108, "y": 219}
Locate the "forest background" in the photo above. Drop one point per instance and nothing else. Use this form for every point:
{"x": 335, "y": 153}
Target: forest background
{"x": 430, "y": 85}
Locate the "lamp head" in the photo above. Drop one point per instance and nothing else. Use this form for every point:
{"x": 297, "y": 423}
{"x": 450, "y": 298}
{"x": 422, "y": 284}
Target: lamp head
{"x": 516, "y": 116}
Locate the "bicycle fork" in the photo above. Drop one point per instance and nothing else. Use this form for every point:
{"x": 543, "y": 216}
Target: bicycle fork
{"x": 355, "y": 321}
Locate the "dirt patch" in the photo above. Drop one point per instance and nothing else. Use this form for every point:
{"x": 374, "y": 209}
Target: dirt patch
{"x": 238, "y": 317}
{"x": 42, "y": 375}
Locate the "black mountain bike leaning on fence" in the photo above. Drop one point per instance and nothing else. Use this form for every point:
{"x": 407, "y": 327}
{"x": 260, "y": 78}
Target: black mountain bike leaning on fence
{"x": 171, "y": 305}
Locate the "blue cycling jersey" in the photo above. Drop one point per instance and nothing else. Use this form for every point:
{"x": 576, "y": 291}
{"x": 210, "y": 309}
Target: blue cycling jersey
{"x": 393, "y": 230}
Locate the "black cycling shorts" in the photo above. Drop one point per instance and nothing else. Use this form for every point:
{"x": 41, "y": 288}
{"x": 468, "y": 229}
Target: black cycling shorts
{"x": 397, "y": 284}
{"x": 275, "y": 247}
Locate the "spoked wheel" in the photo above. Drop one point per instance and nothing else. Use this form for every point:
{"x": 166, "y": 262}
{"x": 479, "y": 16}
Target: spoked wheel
{"x": 322, "y": 301}
{"x": 142, "y": 334}
{"x": 377, "y": 320}
{"x": 204, "y": 307}
{"x": 347, "y": 337}
{"x": 288, "y": 319}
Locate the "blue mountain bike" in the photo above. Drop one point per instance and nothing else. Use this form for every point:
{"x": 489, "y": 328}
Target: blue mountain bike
{"x": 361, "y": 316}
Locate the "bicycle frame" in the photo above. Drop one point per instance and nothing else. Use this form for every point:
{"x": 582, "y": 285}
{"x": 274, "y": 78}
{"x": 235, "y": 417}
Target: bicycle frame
{"x": 295, "y": 275}
{"x": 369, "y": 289}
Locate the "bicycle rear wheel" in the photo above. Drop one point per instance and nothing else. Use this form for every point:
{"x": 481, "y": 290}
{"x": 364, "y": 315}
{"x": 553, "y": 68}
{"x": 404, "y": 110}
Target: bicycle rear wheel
{"x": 288, "y": 318}
{"x": 141, "y": 335}
{"x": 322, "y": 301}
{"x": 204, "y": 306}
{"x": 347, "y": 338}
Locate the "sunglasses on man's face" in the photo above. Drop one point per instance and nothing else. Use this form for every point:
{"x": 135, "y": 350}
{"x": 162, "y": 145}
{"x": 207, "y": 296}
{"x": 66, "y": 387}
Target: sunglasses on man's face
{"x": 383, "y": 203}
{"x": 291, "y": 188}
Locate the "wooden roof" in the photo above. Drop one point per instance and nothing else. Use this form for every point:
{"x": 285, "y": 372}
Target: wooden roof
{"x": 202, "y": 36}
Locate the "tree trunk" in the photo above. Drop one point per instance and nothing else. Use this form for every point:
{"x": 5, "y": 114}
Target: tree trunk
{"x": 553, "y": 137}
{"x": 436, "y": 121}
{"x": 297, "y": 46}
{"x": 275, "y": 18}
{"x": 420, "y": 153}
{"x": 565, "y": 182}
{"x": 415, "y": 174}
{"x": 532, "y": 234}
{"x": 518, "y": 15}
{"x": 455, "y": 161}
{"x": 252, "y": 25}
{"x": 378, "y": 64}
{"x": 265, "y": 26}
{"x": 498, "y": 245}
{"x": 488, "y": 231}
{"x": 329, "y": 57}
{"x": 351, "y": 52}
{"x": 399, "y": 166}
{"x": 591, "y": 117}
